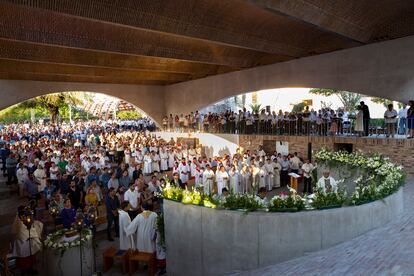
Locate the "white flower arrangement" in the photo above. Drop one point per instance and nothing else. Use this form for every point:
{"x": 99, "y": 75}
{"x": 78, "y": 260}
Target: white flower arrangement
{"x": 383, "y": 176}
{"x": 54, "y": 240}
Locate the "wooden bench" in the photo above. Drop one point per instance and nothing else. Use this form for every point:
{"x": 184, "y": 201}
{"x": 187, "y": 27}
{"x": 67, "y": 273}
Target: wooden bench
{"x": 111, "y": 254}
{"x": 148, "y": 258}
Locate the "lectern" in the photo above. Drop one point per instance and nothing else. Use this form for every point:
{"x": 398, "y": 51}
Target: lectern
{"x": 294, "y": 180}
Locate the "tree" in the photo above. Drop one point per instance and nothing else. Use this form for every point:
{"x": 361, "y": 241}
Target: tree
{"x": 240, "y": 103}
{"x": 53, "y": 103}
{"x": 349, "y": 99}
{"x": 256, "y": 108}
{"x": 384, "y": 102}
{"x": 128, "y": 114}
{"x": 298, "y": 107}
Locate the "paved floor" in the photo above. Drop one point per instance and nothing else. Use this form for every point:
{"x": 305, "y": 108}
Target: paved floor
{"x": 388, "y": 250}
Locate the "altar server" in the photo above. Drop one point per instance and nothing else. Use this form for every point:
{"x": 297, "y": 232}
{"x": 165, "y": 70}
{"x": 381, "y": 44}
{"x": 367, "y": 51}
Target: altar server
{"x": 222, "y": 178}
{"x": 276, "y": 173}
{"x": 208, "y": 180}
{"x": 125, "y": 242}
{"x": 144, "y": 226}
{"x": 147, "y": 164}
{"x": 184, "y": 171}
{"x": 155, "y": 161}
{"x": 198, "y": 180}
{"x": 269, "y": 168}
{"x": 171, "y": 159}
{"x": 235, "y": 181}
{"x": 246, "y": 180}
{"x": 164, "y": 160}
{"x": 262, "y": 175}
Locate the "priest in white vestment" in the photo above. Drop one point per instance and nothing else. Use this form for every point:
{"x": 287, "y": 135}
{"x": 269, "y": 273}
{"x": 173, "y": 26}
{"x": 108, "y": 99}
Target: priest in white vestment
{"x": 327, "y": 183}
{"x": 144, "y": 226}
{"x": 125, "y": 242}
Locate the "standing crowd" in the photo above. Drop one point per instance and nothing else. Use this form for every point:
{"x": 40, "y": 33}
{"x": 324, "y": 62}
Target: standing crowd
{"x": 323, "y": 122}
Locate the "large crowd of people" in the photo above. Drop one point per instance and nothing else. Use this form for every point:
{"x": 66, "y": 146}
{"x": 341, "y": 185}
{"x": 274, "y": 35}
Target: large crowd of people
{"x": 323, "y": 122}
{"x": 119, "y": 167}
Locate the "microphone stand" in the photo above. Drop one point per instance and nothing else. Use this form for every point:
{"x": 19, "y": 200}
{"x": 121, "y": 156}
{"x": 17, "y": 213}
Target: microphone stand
{"x": 92, "y": 218}
{"x": 28, "y": 223}
{"x": 79, "y": 225}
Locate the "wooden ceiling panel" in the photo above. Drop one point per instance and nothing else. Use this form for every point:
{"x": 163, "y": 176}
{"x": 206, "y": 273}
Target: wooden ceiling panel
{"x": 18, "y": 50}
{"x": 163, "y": 42}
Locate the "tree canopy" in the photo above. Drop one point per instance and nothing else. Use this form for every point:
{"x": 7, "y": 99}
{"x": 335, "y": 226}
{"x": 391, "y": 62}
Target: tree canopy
{"x": 349, "y": 99}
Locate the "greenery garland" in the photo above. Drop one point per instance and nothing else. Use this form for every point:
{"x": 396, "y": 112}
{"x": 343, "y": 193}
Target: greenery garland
{"x": 53, "y": 240}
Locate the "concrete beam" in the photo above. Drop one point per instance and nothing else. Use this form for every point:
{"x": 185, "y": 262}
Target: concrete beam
{"x": 383, "y": 69}
{"x": 144, "y": 97}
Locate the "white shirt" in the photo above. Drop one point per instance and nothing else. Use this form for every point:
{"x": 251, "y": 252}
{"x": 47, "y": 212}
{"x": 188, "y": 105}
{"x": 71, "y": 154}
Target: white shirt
{"x": 307, "y": 169}
{"x": 388, "y": 116}
{"x": 403, "y": 113}
{"x": 132, "y": 198}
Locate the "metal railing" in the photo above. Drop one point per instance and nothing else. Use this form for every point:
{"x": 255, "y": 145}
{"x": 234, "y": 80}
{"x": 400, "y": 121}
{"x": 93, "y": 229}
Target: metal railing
{"x": 376, "y": 128}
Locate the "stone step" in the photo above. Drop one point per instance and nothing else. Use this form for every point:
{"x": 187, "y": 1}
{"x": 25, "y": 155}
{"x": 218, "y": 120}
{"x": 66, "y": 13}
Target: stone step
{"x": 7, "y": 192}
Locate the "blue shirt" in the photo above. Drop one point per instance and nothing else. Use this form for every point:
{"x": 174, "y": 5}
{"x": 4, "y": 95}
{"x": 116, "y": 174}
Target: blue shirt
{"x": 48, "y": 191}
{"x": 112, "y": 204}
{"x": 105, "y": 179}
{"x": 68, "y": 217}
{"x": 30, "y": 187}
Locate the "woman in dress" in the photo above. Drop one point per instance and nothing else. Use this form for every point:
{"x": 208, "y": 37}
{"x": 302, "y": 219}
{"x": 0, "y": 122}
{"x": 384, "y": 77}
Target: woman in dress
{"x": 359, "y": 122}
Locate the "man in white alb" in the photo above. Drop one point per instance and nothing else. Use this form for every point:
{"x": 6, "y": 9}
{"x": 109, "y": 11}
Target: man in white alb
{"x": 208, "y": 180}
{"x": 327, "y": 183}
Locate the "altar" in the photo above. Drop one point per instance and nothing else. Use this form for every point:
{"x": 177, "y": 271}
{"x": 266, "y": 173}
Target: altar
{"x": 67, "y": 256}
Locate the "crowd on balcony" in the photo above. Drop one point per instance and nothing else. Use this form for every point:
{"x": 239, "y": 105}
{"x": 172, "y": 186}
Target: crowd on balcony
{"x": 323, "y": 122}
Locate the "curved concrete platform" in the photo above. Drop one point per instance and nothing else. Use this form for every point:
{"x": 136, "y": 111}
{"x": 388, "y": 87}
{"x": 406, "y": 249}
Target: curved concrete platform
{"x": 203, "y": 241}
{"x": 387, "y": 250}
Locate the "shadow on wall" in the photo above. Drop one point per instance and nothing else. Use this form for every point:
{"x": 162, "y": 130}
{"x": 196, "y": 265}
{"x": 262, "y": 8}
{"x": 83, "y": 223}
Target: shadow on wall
{"x": 213, "y": 145}
{"x": 224, "y": 151}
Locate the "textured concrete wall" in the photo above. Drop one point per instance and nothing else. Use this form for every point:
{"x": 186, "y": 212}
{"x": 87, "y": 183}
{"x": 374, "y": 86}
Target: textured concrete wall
{"x": 383, "y": 69}
{"x": 145, "y": 97}
{"x": 202, "y": 241}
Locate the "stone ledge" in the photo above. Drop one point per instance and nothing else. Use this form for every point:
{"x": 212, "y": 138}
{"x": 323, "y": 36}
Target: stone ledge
{"x": 203, "y": 241}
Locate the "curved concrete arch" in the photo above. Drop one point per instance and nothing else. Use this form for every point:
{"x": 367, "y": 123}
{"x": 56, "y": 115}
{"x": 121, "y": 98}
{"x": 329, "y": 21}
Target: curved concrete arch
{"x": 144, "y": 97}
{"x": 383, "y": 69}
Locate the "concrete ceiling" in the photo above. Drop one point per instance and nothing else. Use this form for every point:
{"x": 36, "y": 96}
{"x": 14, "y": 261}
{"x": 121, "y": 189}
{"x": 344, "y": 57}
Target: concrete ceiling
{"x": 165, "y": 42}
